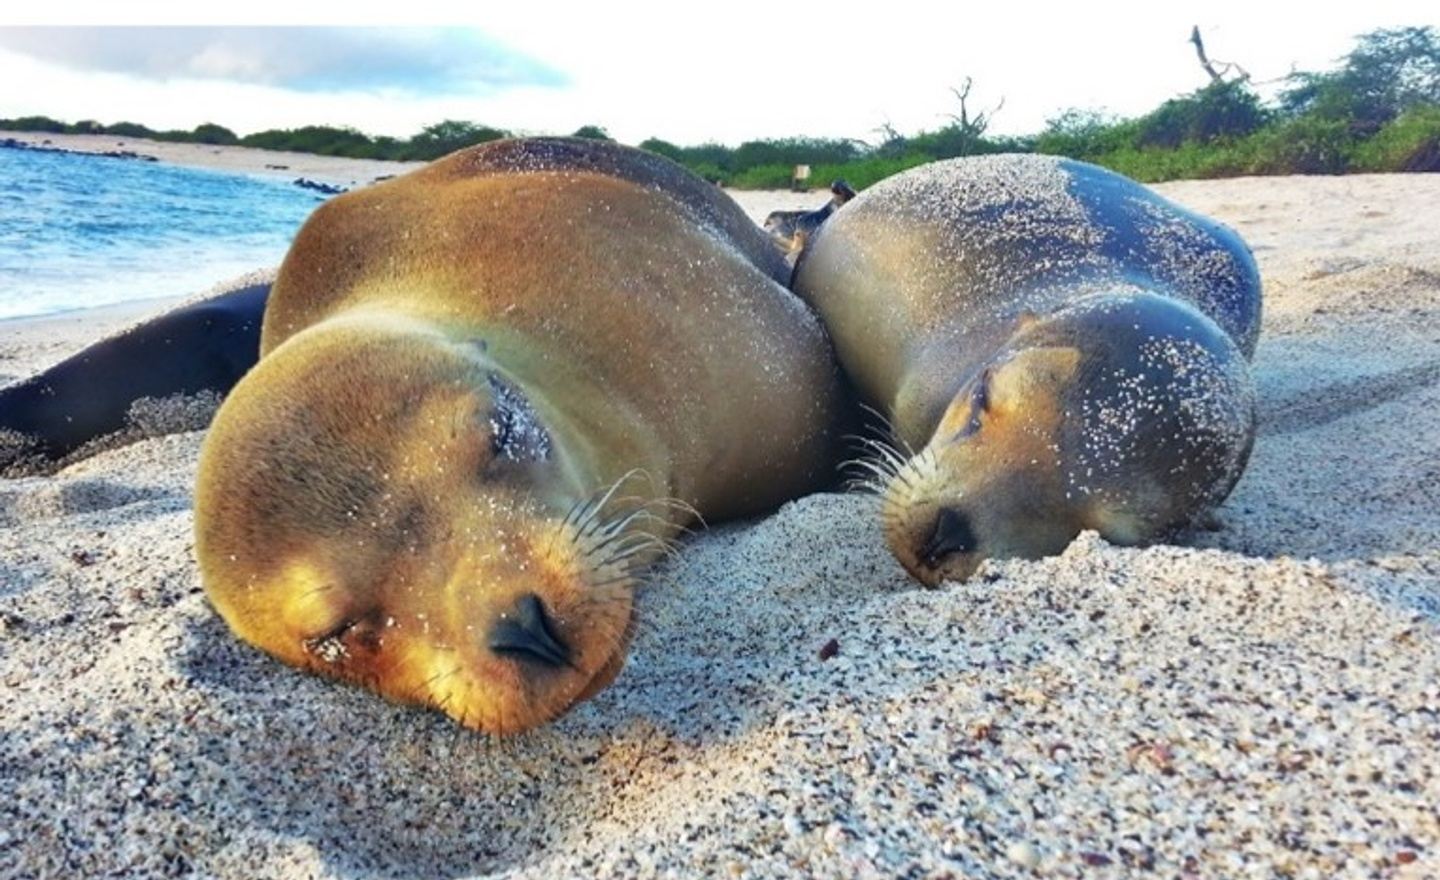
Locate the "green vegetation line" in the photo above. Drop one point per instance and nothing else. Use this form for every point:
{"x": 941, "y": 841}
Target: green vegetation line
{"x": 1379, "y": 110}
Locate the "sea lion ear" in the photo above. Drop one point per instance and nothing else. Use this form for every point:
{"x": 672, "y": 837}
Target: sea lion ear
{"x": 1012, "y": 384}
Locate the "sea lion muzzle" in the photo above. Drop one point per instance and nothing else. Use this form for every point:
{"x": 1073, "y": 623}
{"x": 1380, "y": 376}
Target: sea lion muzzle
{"x": 524, "y": 633}
{"x": 952, "y": 535}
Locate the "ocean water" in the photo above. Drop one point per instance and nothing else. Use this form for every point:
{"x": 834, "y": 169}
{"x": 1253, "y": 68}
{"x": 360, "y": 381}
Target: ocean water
{"x": 84, "y": 231}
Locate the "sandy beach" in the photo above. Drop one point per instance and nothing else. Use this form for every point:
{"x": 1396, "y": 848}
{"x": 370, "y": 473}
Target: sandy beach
{"x": 1262, "y": 702}
{"x": 333, "y": 170}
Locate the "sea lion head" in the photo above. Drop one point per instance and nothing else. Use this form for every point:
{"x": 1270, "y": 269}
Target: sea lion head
{"x": 378, "y": 503}
{"x": 1127, "y": 413}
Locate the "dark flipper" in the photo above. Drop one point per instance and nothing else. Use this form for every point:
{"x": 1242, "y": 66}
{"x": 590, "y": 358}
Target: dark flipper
{"x": 201, "y": 348}
{"x": 792, "y": 230}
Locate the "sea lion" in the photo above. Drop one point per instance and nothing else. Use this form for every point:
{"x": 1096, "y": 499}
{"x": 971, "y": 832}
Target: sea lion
{"x": 97, "y": 396}
{"x": 489, "y": 392}
{"x": 1065, "y": 349}
{"x": 790, "y": 229}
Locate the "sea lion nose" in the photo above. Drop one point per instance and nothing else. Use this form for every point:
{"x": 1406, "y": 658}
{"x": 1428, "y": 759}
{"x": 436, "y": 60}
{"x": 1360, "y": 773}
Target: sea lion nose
{"x": 524, "y": 633}
{"x": 952, "y": 534}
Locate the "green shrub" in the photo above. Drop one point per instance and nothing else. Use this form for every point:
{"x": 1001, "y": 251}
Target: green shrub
{"x": 33, "y": 123}
{"x": 711, "y": 172}
{"x": 446, "y": 137}
{"x": 1222, "y": 110}
{"x": 174, "y": 135}
{"x": 382, "y": 147}
{"x": 592, "y": 132}
{"x": 1307, "y": 145}
{"x": 753, "y": 155}
{"x": 865, "y": 172}
{"x": 762, "y": 177}
{"x": 130, "y": 129}
{"x": 210, "y": 133}
{"x": 1155, "y": 165}
{"x": 954, "y": 141}
{"x": 1081, "y": 134}
{"x": 717, "y": 155}
{"x": 1389, "y": 72}
{"x": 663, "y": 148}
{"x": 324, "y": 140}
{"x": 1410, "y": 143}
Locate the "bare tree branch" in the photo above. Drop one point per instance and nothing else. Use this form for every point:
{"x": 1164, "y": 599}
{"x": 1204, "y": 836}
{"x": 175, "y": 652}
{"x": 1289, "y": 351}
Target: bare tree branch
{"x": 1216, "y": 75}
{"x": 971, "y": 128}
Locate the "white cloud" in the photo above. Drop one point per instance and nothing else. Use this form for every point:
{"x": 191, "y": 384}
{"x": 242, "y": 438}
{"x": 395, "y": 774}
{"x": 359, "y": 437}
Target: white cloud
{"x": 425, "y": 61}
{"x": 766, "y": 69}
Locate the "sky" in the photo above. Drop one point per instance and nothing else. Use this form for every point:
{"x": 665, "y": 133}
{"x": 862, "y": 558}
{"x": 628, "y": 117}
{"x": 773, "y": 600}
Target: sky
{"x": 723, "y": 72}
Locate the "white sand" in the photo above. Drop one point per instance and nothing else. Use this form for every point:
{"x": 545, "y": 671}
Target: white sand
{"x": 1266, "y": 707}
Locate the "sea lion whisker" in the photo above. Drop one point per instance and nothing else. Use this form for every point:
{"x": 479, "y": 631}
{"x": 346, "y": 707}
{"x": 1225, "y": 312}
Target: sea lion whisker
{"x": 873, "y": 466}
{"x": 572, "y": 515}
{"x": 639, "y": 539}
{"x": 882, "y": 457}
{"x": 629, "y": 553}
{"x": 906, "y": 477}
{"x": 616, "y": 527}
{"x": 887, "y": 467}
{"x": 889, "y": 427}
{"x": 864, "y": 486}
{"x": 634, "y": 549}
{"x": 599, "y": 524}
{"x": 878, "y": 415}
{"x": 682, "y": 505}
{"x": 607, "y": 553}
{"x": 884, "y": 448}
{"x": 627, "y": 568}
{"x": 867, "y": 483}
{"x": 599, "y": 499}
{"x": 428, "y": 685}
{"x": 868, "y": 460}
{"x": 621, "y": 480}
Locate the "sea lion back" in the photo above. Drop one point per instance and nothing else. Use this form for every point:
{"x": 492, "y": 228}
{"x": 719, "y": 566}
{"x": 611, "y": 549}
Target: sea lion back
{"x": 966, "y": 246}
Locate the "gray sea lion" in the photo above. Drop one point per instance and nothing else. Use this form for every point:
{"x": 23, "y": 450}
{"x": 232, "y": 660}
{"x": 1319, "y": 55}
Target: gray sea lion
{"x": 489, "y": 392}
{"x": 1057, "y": 346}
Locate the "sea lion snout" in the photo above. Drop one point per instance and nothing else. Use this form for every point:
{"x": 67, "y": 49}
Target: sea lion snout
{"x": 946, "y": 551}
{"x": 952, "y": 535}
{"x": 524, "y": 633}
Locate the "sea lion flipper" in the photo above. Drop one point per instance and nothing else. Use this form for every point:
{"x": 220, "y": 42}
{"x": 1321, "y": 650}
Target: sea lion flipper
{"x": 201, "y": 349}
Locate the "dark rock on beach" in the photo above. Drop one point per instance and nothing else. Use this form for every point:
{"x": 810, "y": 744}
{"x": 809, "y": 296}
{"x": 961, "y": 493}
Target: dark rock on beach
{"x": 14, "y": 144}
{"x": 317, "y": 186}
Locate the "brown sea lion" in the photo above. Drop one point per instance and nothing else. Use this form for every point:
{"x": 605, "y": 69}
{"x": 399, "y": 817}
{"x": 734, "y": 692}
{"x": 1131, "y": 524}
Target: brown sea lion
{"x": 490, "y": 391}
{"x": 1056, "y": 346}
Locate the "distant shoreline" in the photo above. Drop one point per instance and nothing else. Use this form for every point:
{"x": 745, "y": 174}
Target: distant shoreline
{"x": 332, "y": 170}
